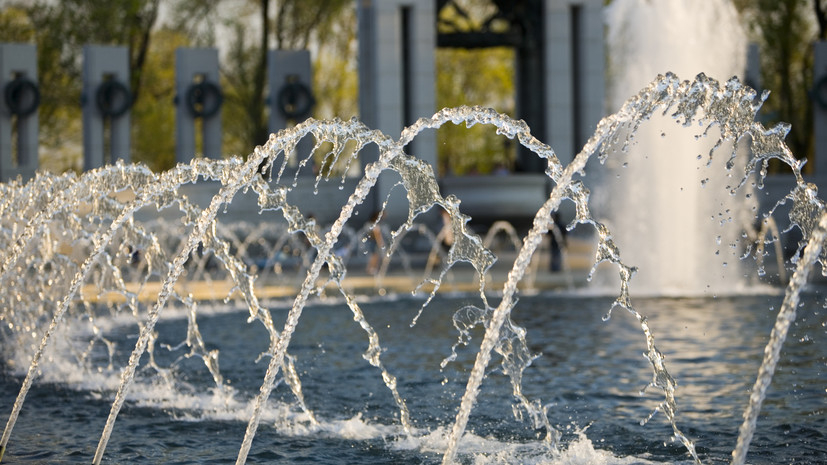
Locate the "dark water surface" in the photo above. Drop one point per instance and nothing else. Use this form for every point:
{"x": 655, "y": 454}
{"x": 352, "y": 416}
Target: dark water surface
{"x": 589, "y": 375}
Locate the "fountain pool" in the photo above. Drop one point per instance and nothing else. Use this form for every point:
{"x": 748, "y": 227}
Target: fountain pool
{"x": 107, "y": 351}
{"x": 589, "y": 375}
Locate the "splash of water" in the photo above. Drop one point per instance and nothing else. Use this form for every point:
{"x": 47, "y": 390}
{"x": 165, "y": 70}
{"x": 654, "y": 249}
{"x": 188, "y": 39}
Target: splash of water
{"x": 86, "y": 223}
{"x": 812, "y": 253}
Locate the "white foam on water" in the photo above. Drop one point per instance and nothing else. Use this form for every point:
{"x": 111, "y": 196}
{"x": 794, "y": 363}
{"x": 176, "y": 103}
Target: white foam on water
{"x": 488, "y": 450}
{"x": 189, "y": 404}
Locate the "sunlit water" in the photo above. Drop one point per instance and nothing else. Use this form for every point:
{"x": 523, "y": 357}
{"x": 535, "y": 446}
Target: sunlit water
{"x": 665, "y": 200}
{"x": 97, "y": 308}
{"x": 589, "y": 374}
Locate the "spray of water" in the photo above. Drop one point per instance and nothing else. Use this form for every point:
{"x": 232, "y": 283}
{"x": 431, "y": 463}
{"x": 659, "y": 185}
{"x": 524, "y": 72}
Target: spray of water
{"x": 63, "y": 233}
{"x": 669, "y": 225}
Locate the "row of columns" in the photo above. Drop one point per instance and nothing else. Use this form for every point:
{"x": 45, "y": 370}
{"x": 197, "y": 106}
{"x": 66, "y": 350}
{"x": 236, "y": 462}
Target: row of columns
{"x": 397, "y": 76}
{"x": 107, "y": 100}
{"x": 396, "y": 80}
{"x": 396, "y": 86}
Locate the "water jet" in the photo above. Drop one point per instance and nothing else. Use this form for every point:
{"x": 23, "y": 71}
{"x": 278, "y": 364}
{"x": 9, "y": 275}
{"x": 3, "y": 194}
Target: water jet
{"x": 334, "y": 376}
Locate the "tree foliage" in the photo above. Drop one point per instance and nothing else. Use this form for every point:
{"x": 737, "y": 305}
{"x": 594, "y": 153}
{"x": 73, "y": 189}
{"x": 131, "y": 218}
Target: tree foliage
{"x": 483, "y": 76}
{"x": 785, "y": 31}
{"x": 474, "y": 77}
{"x": 153, "y": 115}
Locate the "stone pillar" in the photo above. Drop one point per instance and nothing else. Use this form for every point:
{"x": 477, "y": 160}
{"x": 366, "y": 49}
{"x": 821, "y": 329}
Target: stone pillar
{"x": 291, "y": 84}
{"x": 529, "y": 85}
{"x": 198, "y": 96}
{"x": 397, "y": 77}
{"x": 19, "y": 99}
{"x": 752, "y": 75}
{"x": 106, "y": 97}
{"x": 291, "y": 98}
{"x": 575, "y": 70}
{"x": 819, "y": 95}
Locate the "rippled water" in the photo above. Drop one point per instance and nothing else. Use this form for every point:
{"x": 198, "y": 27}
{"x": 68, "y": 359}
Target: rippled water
{"x": 589, "y": 375}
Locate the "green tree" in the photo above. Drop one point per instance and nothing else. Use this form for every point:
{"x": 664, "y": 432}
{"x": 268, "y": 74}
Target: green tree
{"x": 335, "y": 73}
{"x": 153, "y": 115}
{"x": 483, "y": 76}
{"x": 785, "y": 31}
{"x": 474, "y": 77}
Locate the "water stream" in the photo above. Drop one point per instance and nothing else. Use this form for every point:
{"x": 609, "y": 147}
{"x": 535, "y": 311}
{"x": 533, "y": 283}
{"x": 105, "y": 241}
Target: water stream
{"x": 77, "y": 259}
{"x": 673, "y": 225}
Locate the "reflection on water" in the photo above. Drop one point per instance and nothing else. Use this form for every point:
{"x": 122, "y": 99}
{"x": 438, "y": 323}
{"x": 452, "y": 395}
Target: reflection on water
{"x": 589, "y": 375}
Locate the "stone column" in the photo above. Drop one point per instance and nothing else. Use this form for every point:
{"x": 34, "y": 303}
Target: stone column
{"x": 397, "y": 77}
{"x": 291, "y": 98}
{"x": 106, "y": 97}
{"x": 198, "y": 96}
{"x": 19, "y": 99}
{"x": 575, "y": 70}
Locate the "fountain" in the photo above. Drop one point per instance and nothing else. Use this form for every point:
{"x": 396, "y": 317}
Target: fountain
{"x": 643, "y": 38}
{"x": 105, "y": 324}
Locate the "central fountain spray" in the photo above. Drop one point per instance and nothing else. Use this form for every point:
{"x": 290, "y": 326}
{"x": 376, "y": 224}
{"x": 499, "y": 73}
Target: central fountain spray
{"x": 663, "y": 195}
